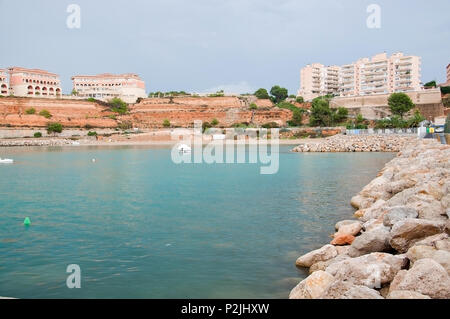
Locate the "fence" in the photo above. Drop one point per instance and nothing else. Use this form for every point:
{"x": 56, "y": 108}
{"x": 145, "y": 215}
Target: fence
{"x": 384, "y": 131}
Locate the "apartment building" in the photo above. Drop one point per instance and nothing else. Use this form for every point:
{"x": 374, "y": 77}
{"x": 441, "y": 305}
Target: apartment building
{"x": 128, "y": 87}
{"x": 33, "y": 83}
{"x": 377, "y": 75}
{"x": 317, "y": 79}
{"x": 4, "y": 82}
{"x": 448, "y": 77}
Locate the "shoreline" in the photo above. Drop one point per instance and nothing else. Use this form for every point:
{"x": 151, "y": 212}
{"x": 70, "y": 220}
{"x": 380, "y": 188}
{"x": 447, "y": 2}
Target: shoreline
{"x": 398, "y": 245}
{"x": 48, "y": 142}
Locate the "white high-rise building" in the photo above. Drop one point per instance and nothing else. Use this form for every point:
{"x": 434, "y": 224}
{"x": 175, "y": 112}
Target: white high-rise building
{"x": 378, "y": 75}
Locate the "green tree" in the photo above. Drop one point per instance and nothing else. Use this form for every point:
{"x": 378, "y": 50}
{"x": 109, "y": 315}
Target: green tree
{"x": 262, "y": 94}
{"x": 54, "y": 128}
{"x": 74, "y": 92}
{"x": 400, "y": 103}
{"x": 430, "y": 84}
{"x": 340, "y": 114}
{"x": 278, "y": 94}
{"x": 321, "y": 114}
{"x": 118, "y": 106}
{"x": 297, "y": 117}
{"x": 253, "y": 106}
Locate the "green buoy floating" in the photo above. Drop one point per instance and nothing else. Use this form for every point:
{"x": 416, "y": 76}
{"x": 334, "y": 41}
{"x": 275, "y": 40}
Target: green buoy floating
{"x": 27, "y": 221}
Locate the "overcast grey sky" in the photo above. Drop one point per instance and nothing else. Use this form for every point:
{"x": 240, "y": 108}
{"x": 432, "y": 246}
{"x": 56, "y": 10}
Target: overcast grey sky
{"x": 204, "y": 45}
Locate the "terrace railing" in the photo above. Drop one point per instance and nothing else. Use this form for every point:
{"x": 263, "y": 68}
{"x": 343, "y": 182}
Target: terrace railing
{"x": 384, "y": 131}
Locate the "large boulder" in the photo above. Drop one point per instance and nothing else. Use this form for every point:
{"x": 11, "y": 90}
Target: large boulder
{"x": 398, "y": 213}
{"x": 342, "y": 239}
{"x": 418, "y": 252}
{"x": 370, "y": 270}
{"x": 374, "y": 211}
{"x": 322, "y": 265}
{"x": 361, "y": 292}
{"x": 322, "y": 254}
{"x": 349, "y": 229}
{"x": 375, "y": 240}
{"x": 426, "y": 277}
{"x": 408, "y": 231}
{"x": 341, "y": 289}
{"x": 313, "y": 286}
{"x": 345, "y": 222}
{"x": 406, "y": 294}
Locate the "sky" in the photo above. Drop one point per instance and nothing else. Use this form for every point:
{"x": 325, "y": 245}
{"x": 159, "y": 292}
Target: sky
{"x": 208, "y": 45}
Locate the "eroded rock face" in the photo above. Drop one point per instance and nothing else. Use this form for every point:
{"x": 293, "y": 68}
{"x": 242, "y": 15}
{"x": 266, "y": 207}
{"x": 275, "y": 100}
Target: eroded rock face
{"x": 426, "y": 277}
{"x": 374, "y": 240}
{"x": 313, "y": 286}
{"x": 370, "y": 270}
{"x": 322, "y": 254}
{"x": 408, "y": 231}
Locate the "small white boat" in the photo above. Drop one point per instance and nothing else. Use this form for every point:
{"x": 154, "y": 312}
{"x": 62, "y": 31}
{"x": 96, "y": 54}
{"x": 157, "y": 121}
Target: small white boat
{"x": 6, "y": 161}
{"x": 183, "y": 148}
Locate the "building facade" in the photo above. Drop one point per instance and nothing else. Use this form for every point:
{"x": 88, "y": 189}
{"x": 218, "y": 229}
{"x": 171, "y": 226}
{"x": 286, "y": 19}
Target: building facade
{"x": 33, "y": 83}
{"x": 317, "y": 79}
{"x": 128, "y": 87}
{"x": 377, "y": 75}
{"x": 4, "y": 83}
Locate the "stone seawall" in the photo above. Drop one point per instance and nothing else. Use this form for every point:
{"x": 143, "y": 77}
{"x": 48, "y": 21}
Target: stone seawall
{"x": 399, "y": 245}
{"x": 367, "y": 143}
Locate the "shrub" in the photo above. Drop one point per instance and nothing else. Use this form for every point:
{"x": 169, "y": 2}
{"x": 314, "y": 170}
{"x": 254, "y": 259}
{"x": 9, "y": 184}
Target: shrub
{"x": 126, "y": 125}
{"x": 54, "y": 128}
{"x": 166, "y": 123}
{"x": 214, "y": 122}
{"x": 206, "y": 125}
{"x": 31, "y": 110}
{"x": 300, "y": 99}
{"x": 37, "y": 134}
{"x": 270, "y": 125}
{"x": 297, "y": 117}
{"x": 262, "y": 94}
{"x": 253, "y": 106}
{"x": 118, "y": 106}
{"x": 91, "y": 99}
{"x": 416, "y": 119}
{"x": 447, "y": 125}
{"x": 92, "y": 133}
{"x": 45, "y": 114}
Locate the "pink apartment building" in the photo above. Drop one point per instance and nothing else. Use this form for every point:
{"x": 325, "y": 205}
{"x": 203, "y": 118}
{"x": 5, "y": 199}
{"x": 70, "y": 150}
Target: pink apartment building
{"x": 33, "y": 83}
{"x": 128, "y": 87}
{"x": 3, "y": 82}
{"x": 378, "y": 75}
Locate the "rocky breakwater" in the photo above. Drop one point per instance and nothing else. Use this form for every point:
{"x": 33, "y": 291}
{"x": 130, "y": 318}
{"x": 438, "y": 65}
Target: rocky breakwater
{"x": 361, "y": 143}
{"x": 35, "y": 142}
{"x": 399, "y": 245}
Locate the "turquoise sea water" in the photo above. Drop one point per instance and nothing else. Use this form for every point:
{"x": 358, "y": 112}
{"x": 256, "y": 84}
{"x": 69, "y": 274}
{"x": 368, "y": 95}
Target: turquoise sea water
{"x": 140, "y": 226}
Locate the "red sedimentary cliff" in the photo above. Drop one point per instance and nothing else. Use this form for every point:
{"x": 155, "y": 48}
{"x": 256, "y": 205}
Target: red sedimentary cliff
{"x": 149, "y": 113}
